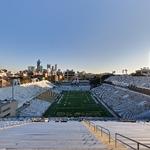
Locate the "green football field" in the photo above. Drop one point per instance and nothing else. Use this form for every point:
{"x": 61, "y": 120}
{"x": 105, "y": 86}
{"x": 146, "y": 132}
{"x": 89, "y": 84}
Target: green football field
{"x": 76, "y": 104}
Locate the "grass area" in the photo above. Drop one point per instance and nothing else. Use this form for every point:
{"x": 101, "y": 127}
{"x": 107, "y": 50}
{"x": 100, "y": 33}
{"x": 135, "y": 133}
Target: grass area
{"x": 76, "y": 104}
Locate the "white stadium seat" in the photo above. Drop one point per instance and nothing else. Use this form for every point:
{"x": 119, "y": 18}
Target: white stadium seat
{"x": 128, "y": 104}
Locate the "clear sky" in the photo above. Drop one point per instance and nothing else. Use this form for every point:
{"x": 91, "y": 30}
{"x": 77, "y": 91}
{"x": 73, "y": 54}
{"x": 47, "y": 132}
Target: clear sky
{"x": 91, "y": 35}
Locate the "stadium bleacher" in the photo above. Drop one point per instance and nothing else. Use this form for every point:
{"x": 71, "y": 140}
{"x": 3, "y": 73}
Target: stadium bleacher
{"x": 74, "y": 88}
{"x": 9, "y": 124}
{"x": 127, "y": 80}
{"x": 36, "y": 108}
{"x": 71, "y": 135}
{"x": 128, "y": 104}
{"x": 25, "y": 92}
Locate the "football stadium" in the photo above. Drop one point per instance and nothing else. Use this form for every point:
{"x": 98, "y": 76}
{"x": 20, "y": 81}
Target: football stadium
{"x": 74, "y": 74}
{"x": 70, "y": 116}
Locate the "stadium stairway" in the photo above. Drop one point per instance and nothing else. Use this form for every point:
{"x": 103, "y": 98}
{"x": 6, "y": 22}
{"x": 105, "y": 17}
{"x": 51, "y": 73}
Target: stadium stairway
{"x": 71, "y": 135}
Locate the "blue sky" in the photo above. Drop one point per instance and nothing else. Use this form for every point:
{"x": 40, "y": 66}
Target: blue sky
{"x": 91, "y": 35}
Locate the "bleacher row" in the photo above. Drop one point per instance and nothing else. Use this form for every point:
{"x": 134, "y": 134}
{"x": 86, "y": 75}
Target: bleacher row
{"x": 128, "y": 104}
{"x": 40, "y": 104}
{"x": 73, "y": 88}
{"x": 71, "y": 135}
{"x": 127, "y": 80}
{"x": 25, "y": 92}
{"x": 49, "y": 95}
{"x": 36, "y": 108}
{"x": 8, "y": 124}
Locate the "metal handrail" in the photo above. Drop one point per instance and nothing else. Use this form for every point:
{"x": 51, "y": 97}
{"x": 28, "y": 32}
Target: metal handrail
{"x": 137, "y": 143}
{"x": 88, "y": 122}
{"x": 92, "y": 124}
{"x": 102, "y": 129}
{"x": 106, "y": 131}
{"x": 98, "y": 127}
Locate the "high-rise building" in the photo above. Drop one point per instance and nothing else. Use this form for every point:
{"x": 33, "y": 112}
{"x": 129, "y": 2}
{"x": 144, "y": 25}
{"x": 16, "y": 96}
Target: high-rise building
{"x": 55, "y": 67}
{"x": 31, "y": 68}
{"x": 38, "y": 65}
{"x": 48, "y": 66}
{"x": 69, "y": 75}
{"x": 41, "y": 69}
{"x": 52, "y": 68}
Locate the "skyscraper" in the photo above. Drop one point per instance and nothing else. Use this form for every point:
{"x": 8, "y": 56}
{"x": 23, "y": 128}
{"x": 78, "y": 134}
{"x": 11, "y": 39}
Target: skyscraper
{"x": 55, "y": 67}
{"x": 48, "y": 66}
{"x": 38, "y": 65}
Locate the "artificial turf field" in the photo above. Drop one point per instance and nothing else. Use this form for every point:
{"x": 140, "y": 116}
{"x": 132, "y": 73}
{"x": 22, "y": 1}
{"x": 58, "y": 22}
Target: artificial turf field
{"x": 76, "y": 104}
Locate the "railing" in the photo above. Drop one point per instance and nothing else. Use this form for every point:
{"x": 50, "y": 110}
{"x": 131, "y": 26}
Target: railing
{"x": 92, "y": 125}
{"x": 103, "y": 130}
{"x": 138, "y": 144}
{"x": 98, "y": 128}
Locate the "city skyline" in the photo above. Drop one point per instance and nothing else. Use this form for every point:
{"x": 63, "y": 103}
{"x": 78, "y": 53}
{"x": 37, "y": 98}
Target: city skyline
{"x": 92, "y": 36}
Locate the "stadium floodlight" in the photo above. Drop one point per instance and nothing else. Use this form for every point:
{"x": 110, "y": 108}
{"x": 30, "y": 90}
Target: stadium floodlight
{"x": 13, "y": 83}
